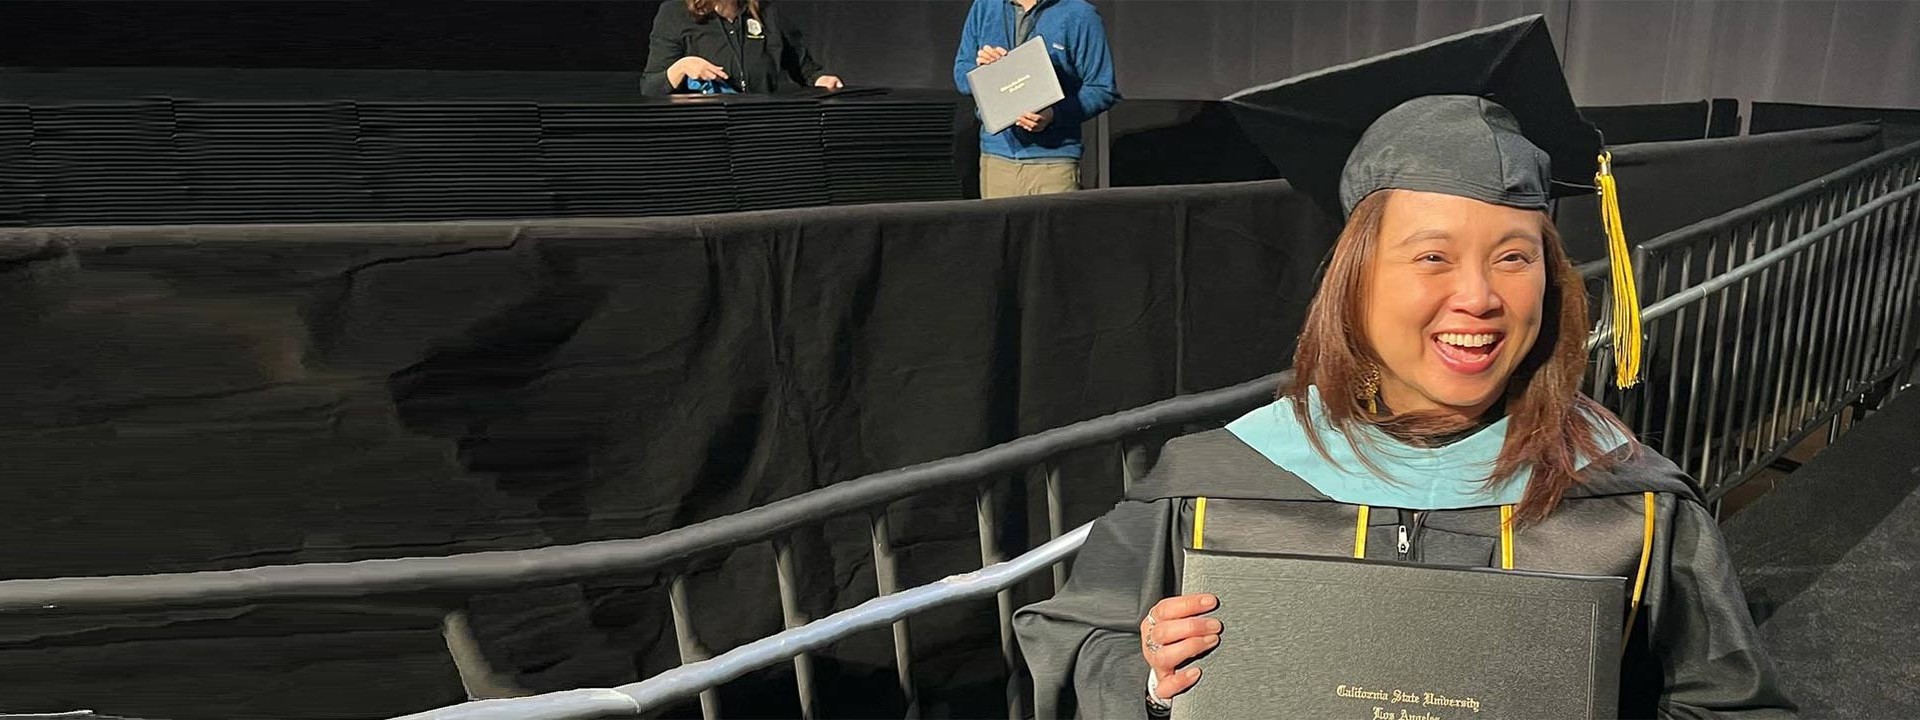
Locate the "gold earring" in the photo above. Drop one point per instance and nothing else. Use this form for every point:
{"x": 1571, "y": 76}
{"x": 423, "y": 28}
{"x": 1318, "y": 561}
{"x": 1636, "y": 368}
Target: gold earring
{"x": 1370, "y": 388}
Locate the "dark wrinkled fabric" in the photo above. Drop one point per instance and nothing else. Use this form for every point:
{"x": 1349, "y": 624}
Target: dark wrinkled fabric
{"x": 206, "y": 398}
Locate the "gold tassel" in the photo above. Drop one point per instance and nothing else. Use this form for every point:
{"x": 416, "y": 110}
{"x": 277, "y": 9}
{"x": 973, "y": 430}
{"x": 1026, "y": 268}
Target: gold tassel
{"x": 1626, "y": 297}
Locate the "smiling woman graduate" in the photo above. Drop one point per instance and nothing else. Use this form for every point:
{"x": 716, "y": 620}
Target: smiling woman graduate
{"x": 1435, "y": 415}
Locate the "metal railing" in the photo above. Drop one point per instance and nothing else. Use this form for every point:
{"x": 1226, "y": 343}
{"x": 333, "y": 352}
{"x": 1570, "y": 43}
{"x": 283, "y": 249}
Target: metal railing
{"x": 1763, "y": 325}
{"x": 689, "y": 679}
{"x": 986, "y": 470}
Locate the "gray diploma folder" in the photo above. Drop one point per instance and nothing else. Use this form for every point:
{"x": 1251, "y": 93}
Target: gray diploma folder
{"x": 1348, "y": 639}
{"x": 1020, "y": 83}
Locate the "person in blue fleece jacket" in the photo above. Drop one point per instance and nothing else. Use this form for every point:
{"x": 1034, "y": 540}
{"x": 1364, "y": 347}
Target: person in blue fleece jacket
{"x": 1041, "y": 154}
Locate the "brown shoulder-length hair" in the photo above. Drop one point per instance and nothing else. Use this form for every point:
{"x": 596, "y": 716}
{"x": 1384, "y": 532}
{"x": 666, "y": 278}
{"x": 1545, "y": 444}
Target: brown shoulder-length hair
{"x": 1552, "y": 425}
{"x": 704, "y": 10}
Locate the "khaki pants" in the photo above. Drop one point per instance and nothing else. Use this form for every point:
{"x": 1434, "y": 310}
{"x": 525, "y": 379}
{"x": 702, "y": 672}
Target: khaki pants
{"x": 1000, "y": 177}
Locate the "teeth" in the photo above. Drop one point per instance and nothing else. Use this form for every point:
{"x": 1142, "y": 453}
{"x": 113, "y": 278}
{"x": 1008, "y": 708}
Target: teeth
{"x": 1468, "y": 340}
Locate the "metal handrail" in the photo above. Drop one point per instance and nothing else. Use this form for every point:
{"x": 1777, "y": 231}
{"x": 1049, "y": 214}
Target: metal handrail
{"x": 1696, "y": 293}
{"x": 1595, "y": 269}
{"x": 1764, "y": 324}
{"x": 686, "y": 680}
{"x": 510, "y": 568}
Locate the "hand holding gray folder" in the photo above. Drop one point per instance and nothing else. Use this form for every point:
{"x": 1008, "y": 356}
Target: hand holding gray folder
{"x": 1363, "y": 640}
{"x": 1020, "y": 83}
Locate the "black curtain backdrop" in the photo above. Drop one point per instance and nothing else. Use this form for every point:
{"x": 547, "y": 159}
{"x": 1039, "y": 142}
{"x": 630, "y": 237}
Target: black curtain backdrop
{"x": 208, "y": 398}
{"x": 1723, "y": 119}
{"x": 1663, "y": 122}
{"x": 1901, "y": 126}
{"x": 1176, "y": 142}
{"x": 1834, "y": 52}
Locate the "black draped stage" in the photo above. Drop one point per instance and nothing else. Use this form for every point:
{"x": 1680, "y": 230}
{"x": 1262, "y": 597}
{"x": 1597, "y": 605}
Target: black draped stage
{"x": 187, "y": 398}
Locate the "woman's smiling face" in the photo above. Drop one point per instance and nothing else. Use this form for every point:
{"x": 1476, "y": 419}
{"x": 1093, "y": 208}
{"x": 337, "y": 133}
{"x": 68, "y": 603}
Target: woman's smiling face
{"x": 1453, "y": 300}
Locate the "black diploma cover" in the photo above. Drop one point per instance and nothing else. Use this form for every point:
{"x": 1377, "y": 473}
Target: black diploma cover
{"x": 1344, "y": 639}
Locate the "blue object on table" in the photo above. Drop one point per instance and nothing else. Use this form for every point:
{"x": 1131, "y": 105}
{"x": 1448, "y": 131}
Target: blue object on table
{"x": 711, "y": 87}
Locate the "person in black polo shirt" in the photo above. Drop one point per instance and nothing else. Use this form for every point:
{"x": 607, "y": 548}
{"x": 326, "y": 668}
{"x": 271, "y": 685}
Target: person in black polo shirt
{"x": 728, "y": 46}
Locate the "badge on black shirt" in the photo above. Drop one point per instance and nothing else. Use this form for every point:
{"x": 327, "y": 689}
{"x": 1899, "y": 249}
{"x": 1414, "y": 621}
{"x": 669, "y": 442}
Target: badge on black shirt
{"x": 754, "y": 29}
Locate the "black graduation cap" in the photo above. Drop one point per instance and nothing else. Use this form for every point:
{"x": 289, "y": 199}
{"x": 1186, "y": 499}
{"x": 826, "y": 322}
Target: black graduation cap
{"x": 1439, "y": 106}
{"x": 1485, "y": 114}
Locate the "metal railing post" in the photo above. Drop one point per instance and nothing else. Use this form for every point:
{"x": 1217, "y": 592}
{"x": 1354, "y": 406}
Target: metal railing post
{"x": 690, "y": 650}
{"x": 887, "y": 579}
{"x": 990, "y": 555}
{"x": 792, "y": 617}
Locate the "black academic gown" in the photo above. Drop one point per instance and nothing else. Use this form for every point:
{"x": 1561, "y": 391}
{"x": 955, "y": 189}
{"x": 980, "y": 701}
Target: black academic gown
{"x": 1693, "y": 652}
